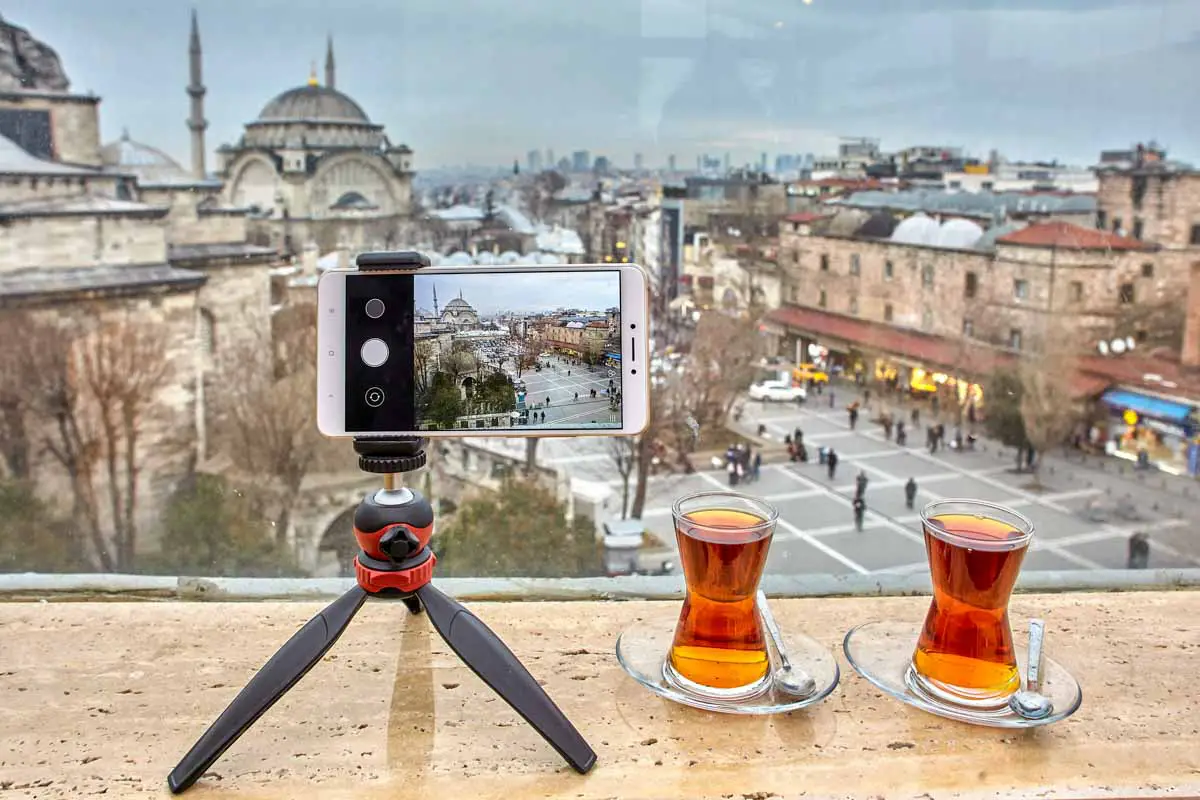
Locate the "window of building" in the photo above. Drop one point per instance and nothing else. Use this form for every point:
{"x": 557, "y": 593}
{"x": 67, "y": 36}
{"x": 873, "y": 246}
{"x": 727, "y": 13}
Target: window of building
{"x": 968, "y": 326}
{"x": 1116, "y": 226}
{"x": 824, "y": 262}
{"x": 1140, "y": 334}
{"x": 853, "y": 305}
{"x": 208, "y": 332}
{"x": 795, "y": 295}
{"x": 1195, "y": 238}
{"x": 1126, "y": 294}
{"x": 1137, "y": 228}
{"x": 971, "y": 287}
{"x": 1148, "y": 269}
{"x": 821, "y": 299}
{"x": 889, "y": 269}
{"x": 887, "y": 312}
{"x": 926, "y": 319}
{"x": 855, "y": 264}
{"x": 955, "y": 184}
{"x": 927, "y": 275}
{"x": 1076, "y": 294}
{"x": 1102, "y": 219}
{"x": 1021, "y": 289}
{"x": 1014, "y": 338}
{"x": 987, "y": 186}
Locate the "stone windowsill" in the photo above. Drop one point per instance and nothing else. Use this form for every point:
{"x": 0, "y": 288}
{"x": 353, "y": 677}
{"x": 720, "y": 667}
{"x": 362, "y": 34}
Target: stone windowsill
{"x": 103, "y": 698}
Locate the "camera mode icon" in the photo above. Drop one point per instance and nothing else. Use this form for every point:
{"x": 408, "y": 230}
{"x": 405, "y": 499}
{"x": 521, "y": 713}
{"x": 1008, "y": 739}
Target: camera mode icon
{"x": 374, "y": 397}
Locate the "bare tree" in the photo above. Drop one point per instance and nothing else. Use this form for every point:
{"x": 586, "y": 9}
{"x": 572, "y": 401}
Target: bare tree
{"x": 14, "y": 400}
{"x": 122, "y": 366}
{"x": 269, "y": 382}
{"x": 1047, "y": 404}
{"x": 624, "y": 453}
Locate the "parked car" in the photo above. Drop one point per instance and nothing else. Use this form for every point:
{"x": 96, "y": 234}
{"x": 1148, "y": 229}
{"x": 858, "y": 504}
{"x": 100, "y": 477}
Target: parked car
{"x": 809, "y": 372}
{"x": 777, "y": 391}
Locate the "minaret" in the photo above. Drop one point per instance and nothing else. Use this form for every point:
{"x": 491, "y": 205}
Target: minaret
{"x": 436, "y": 312}
{"x": 196, "y": 122}
{"x": 330, "y": 67}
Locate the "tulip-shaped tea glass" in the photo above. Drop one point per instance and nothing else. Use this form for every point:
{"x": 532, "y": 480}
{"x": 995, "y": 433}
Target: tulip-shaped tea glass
{"x": 719, "y": 649}
{"x": 965, "y": 654}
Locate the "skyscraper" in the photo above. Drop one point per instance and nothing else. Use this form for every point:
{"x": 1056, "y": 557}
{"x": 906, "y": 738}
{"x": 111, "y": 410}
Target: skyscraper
{"x": 581, "y": 161}
{"x": 533, "y": 161}
{"x": 671, "y": 162}
{"x": 639, "y": 163}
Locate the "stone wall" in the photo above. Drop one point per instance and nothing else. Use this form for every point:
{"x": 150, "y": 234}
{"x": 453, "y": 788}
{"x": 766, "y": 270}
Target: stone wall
{"x": 1191, "y": 333}
{"x": 80, "y": 241}
{"x": 15, "y": 188}
{"x": 1169, "y": 207}
{"x": 74, "y": 123}
{"x": 187, "y": 224}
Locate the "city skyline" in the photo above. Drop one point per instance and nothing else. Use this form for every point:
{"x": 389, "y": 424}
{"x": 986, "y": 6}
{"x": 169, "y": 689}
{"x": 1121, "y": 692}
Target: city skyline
{"x": 508, "y": 292}
{"x": 747, "y": 77}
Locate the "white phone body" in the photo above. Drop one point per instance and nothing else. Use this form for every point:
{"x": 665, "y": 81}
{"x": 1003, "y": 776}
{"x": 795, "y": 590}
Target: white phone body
{"x": 333, "y": 353}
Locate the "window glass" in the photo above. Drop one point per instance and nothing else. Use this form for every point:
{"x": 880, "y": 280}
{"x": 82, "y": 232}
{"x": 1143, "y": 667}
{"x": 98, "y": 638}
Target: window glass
{"x": 173, "y": 187}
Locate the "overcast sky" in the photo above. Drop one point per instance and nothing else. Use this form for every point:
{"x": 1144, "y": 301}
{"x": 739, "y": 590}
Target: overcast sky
{"x": 534, "y": 293}
{"x": 484, "y": 81}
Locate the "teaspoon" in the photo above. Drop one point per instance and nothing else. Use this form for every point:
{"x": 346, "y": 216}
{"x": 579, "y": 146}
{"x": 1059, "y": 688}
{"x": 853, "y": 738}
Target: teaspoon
{"x": 1029, "y": 702}
{"x": 787, "y": 678}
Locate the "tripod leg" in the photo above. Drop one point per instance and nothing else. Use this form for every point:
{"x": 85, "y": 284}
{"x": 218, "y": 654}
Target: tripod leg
{"x": 413, "y": 604}
{"x": 270, "y": 683}
{"x": 490, "y": 659}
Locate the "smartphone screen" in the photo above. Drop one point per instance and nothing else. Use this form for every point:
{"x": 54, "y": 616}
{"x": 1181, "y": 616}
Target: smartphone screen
{"x": 483, "y": 352}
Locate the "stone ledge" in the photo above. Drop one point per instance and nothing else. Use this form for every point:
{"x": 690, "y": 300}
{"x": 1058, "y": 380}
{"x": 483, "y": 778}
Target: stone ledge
{"x": 105, "y": 697}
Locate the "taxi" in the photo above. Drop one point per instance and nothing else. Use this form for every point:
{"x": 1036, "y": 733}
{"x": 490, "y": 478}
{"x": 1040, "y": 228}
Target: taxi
{"x": 809, "y": 372}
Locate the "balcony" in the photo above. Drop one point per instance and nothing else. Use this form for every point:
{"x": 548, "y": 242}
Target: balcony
{"x": 104, "y": 697}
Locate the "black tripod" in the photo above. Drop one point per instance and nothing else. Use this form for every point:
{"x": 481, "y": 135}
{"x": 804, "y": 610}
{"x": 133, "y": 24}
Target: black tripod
{"x": 393, "y": 526}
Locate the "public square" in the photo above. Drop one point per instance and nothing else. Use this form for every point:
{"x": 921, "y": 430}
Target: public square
{"x": 816, "y": 533}
{"x": 568, "y": 387}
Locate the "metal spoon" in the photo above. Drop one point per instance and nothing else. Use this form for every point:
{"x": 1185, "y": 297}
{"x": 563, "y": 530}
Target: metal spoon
{"x": 788, "y": 679}
{"x": 1029, "y": 702}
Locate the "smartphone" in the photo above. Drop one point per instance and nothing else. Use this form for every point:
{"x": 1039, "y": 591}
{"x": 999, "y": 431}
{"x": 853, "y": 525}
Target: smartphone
{"x": 554, "y": 350}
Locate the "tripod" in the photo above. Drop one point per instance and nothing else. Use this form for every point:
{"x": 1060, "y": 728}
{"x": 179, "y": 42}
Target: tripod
{"x": 392, "y": 526}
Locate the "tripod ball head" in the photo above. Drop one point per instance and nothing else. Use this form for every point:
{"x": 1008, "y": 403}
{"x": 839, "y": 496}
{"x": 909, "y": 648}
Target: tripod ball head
{"x": 393, "y": 531}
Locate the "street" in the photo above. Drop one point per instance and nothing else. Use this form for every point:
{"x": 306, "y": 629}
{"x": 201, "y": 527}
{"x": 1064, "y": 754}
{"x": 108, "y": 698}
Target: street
{"x": 816, "y": 533}
{"x": 563, "y": 389}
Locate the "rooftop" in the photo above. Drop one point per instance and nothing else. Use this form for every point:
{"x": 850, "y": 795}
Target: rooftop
{"x": 1066, "y": 236}
{"x": 14, "y": 160}
{"x": 313, "y": 104}
{"x": 44, "y": 281}
{"x": 223, "y": 250}
{"x": 79, "y": 205}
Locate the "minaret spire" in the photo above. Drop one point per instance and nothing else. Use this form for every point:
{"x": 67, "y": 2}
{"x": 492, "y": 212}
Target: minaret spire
{"x": 330, "y": 67}
{"x": 196, "y": 121}
{"x": 436, "y": 312}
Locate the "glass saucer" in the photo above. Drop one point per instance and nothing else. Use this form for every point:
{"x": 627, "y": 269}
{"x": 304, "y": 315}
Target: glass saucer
{"x": 642, "y": 652}
{"x": 882, "y": 652}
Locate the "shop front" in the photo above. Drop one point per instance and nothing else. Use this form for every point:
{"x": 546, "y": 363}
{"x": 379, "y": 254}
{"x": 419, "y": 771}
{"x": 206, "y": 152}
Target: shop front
{"x": 1150, "y": 430}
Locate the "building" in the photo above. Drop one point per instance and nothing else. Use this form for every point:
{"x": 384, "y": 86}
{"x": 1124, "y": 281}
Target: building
{"x": 313, "y": 166}
{"x": 581, "y": 161}
{"x": 122, "y": 236}
{"x": 460, "y": 315}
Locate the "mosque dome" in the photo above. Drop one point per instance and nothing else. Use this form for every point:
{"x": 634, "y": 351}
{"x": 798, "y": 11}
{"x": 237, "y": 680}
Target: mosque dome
{"x": 313, "y": 104}
{"x": 959, "y": 233}
{"x": 458, "y": 304}
{"x": 917, "y": 229}
{"x": 149, "y": 164}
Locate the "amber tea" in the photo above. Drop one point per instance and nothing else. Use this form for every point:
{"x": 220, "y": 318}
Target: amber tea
{"x": 965, "y": 651}
{"x": 719, "y": 643}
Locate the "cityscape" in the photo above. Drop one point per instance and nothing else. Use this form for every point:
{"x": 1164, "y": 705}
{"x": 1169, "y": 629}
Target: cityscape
{"x": 1034, "y": 320}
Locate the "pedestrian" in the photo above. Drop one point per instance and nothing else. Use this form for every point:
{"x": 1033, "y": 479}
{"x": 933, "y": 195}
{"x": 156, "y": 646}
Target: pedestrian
{"x": 887, "y": 427}
{"x": 853, "y": 416}
{"x": 910, "y": 492}
{"x": 860, "y": 510}
{"x": 866, "y": 397}
{"x": 916, "y": 417}
{"x": 901, "y": 434}
{"x": 1139, "y": 551}
{"x": 860, "y": 484}
{"x": 547, "y": 400}
{"x": 577, "y": 397}
{"x": 731, "y": 468}
{"x": 791, "y": 448}
{"x": 757, "y": 466}
{"x": 797, "y": 435}
{"x": 832, "y": 397}
{"x": 803, "y": 454}
{"x": 941, "y": 434}
{"x": 931, "y": 439}
{"x": 831, "y": 459}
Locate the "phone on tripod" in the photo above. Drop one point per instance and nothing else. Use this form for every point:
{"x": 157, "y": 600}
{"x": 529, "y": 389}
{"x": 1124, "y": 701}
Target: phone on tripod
{"x": 504, "y": 350}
